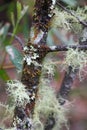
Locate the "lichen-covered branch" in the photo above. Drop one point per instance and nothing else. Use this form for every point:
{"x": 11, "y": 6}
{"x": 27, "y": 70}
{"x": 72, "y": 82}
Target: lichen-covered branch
{"x": 68, "y": 11}
{"x": 70, "y": 75}
{"x": 41, "y": 21}
{"x": 33, "y": 57}
{"x": 66, "y": 85}
{"x": 66, "y": 47}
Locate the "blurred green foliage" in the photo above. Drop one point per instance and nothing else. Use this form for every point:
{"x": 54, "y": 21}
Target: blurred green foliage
{"x": 4, "y": 75}
{"x": 6, "y": 40}
{"x": 15, "y": 56}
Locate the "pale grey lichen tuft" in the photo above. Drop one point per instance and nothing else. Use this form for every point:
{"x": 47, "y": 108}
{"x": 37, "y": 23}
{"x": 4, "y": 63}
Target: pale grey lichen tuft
{"x": 76, "y": 59}
{"x": 18, "y": 93}
{"x": 47, "y": 103}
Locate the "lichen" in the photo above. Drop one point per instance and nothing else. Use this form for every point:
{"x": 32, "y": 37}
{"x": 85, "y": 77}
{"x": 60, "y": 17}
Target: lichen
{"x": 48, "y": 67}
{"x": 76, "y": 59}
{"x": 60, "y": 19}
{"x": 31, "y": 57}
{"x": 17, "y": 92}
{"x": 47, "y": 103}
{"x": 63, "y": 19}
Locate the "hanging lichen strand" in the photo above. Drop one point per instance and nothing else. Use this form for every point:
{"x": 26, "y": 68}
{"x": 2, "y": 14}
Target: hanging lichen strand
{"x": 33, "y": 57}
{"x": 43, "y": 13}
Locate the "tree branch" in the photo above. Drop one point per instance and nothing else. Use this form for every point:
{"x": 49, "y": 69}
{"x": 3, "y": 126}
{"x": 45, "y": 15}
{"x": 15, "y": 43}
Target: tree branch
{"x": 70, "y": 75}
{"x": 66, "y": 85}
{"x": 66, "y": 47}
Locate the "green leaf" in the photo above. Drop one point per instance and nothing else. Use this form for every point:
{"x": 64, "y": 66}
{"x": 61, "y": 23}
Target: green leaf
{"x": 15, "y": 56}
{"x": 19, "y": 8}
{"x": 25, "y": 28}
{"x": 4, "y": 75}
{"x": 13, "y": 19}
{"x": 23, "y": 11}
{"x": 20, "y": 12}
{"x": 4, "y": 31}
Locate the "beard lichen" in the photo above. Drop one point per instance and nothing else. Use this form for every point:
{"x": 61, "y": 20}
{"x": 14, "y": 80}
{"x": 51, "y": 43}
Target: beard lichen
{"x": 77, "y": 60}
{"x": 47, "y": 103}
{"x": 63, "y": 19}
{"x": 18, "y": 93}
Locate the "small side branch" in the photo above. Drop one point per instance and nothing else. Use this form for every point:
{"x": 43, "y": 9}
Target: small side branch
{"x": 66, "y": 47}
{"x": 66, "y": 85}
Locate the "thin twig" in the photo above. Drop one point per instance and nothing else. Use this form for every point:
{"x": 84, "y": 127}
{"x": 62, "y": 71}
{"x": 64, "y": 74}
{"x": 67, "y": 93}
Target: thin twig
{"x": 60, "y": 48}
{"x": 73, "y": 14}
{"x": 66, "y": 47}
